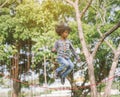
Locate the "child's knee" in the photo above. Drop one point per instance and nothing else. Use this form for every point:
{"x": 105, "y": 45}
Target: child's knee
{"x": 67, "y": 64}
{"x": 71, "y": 66}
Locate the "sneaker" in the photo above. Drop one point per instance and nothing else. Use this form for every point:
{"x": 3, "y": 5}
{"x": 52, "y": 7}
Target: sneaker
{"x": 56, "y": 75}
{"x": 62, "y": 80}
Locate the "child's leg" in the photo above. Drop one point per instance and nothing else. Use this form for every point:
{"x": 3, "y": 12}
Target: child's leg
{"x": 69, "y": 68}
{"x": 64, "y": 64}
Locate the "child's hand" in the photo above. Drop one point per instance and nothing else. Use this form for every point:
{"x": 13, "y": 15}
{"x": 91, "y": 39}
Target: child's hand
{"x": 78, "y": 60}
{"x": 53, "y": 50}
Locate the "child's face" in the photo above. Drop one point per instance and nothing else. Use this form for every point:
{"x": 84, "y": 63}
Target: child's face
{"x": 65, "y": 34}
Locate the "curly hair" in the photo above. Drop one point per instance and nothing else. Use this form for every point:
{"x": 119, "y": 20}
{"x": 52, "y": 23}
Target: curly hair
{"x": 61, "y": 28}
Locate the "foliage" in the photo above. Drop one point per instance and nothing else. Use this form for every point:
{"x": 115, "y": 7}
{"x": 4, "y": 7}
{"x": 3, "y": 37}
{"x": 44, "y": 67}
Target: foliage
{"x": 34, "y": 21}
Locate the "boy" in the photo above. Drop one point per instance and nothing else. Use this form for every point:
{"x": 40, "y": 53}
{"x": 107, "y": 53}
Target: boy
{"x": 63, "y": 47}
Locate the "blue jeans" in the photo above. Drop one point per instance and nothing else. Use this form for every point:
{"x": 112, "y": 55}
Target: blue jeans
{"x": 65, "y": 63}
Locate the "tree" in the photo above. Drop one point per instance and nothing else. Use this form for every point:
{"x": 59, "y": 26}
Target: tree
{"x": 89, "y": 56}
{"x": 31, "y": 23}
{"x": 112, "y": 45}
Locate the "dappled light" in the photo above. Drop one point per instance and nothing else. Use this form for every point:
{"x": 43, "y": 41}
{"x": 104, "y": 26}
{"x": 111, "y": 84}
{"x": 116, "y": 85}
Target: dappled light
{"x": 88, "y": 39}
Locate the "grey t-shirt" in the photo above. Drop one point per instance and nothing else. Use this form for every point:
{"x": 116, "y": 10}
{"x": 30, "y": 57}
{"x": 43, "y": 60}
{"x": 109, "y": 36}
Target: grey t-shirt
{"x": 64, "y": 49}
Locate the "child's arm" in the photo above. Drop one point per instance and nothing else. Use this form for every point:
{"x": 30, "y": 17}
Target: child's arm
{"x": 74, "y": 53}
{"x": 54, "y": 49}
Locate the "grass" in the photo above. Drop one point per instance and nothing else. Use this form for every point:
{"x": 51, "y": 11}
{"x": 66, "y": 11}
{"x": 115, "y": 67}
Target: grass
{"x": 115, "y": 96}
{"x": 111, "y": 96}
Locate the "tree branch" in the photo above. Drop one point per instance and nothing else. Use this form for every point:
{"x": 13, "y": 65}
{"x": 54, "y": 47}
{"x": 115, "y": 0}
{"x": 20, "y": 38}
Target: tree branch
{"x": 3, "y": 3}
{"x": 76, "y": 1}
{"x": 104, "y": 36}
{"x": 113, "y": 49}
{"x": 118, "y": 48}
{"x": 86, "y": 8}
{"x": 70, "y": 2}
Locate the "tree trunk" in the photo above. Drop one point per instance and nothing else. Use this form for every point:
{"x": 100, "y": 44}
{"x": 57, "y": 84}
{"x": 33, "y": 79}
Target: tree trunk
{"x": 16, "y": 89}
{"x": 111, "y": 74}
{"x": 15, "y": 74}
{"x": 88, "y": 56}
{"x": 45, "y": 72}
{"x": 29, "y": 55}
{"x": 92, "y": 77}
{"x": 75, "y": 91}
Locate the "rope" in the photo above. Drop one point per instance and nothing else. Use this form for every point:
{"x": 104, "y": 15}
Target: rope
{"x": 61, "y": 88}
